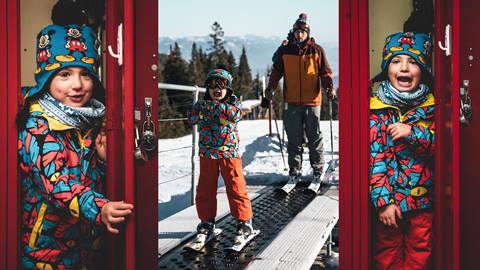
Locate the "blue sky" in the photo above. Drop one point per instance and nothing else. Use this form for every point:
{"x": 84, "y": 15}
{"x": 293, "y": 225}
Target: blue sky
{"x": 182, "y": 18}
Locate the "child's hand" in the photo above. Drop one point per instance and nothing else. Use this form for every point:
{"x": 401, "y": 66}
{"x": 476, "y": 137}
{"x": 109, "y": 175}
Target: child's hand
{"x": 204, "y": 105}
{"x": 101, "y": 145}
{"x": 388, "y": 214}
{"x": 114, "y": 213}
{"x": 399, "y": 130}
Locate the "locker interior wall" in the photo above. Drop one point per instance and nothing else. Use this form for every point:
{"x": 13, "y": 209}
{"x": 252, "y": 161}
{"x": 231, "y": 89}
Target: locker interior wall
{"x": 385, "y": 17}
{"x": 34, "y": 15}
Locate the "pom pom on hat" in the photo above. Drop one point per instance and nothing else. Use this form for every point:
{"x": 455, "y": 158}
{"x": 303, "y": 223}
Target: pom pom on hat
{"x": 302, "y": 23}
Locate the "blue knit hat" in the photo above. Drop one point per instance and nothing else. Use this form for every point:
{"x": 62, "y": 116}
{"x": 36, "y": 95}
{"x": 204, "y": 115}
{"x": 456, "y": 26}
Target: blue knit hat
{"x": 63, "y": 46}
{"x": 416, "y": 45}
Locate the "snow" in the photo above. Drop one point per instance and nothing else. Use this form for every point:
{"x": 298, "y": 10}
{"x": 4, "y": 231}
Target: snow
{"x": 250, "y": 103}
{"x": 261, "y": 157}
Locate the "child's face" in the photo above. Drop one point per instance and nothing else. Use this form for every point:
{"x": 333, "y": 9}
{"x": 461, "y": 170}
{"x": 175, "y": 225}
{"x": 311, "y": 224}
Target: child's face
{"x": 300, "y": 35}
{"x": 404, "y": 73}
{"x": 72, "y": 86}
{"x": 217, "y": 89}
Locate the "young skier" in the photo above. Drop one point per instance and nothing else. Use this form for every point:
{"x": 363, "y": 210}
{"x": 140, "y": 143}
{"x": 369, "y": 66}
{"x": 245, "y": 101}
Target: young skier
{"x": 402, "y": 142}
{"x": 217, "y": 116}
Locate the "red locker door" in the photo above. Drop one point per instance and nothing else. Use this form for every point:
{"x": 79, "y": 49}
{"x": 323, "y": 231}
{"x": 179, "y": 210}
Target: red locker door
{"x": 128, "y": 85}
{"x": 469, "y": 186}
{"x": 9, "y": 86}
{"x": 354, "y": 222}
{"x": 447, "y": 188}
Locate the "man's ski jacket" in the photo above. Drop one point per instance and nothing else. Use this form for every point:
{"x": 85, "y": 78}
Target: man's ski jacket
{"x": 401, "y": 172}
{"x": 304, "y": 69}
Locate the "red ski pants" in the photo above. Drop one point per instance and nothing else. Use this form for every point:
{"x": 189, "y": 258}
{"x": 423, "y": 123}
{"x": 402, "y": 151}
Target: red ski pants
{"x": 408, "y": 247}
{"x": 206, "y": 199}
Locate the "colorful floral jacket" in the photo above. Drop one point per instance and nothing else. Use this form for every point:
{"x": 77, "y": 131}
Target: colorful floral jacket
{"x": 62, "y": 199}
{"x": 217, "y": 125}
{"x": 401, "y": 172}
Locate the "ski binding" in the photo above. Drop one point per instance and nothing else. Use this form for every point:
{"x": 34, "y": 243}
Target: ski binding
{"x": 201, "y": 240}
{"x": 238, "y": 246}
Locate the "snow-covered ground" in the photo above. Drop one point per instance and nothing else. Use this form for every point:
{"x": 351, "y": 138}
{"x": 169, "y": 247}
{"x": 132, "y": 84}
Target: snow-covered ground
{"x": 261, "y": 157}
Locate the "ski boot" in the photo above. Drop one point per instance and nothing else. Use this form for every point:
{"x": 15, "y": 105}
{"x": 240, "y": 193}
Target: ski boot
{"x": 294, "y": 176}
{"x": 317, "y": 174}
{"x": 245, "y": 233}
{"x": 204, "y": 230}
{"x": 244, "y": 230}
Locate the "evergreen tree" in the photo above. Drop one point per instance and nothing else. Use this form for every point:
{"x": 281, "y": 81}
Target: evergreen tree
{"x": 257, "y": 88}
{"x": 175, "y": 70}
{"x": 218, "y": 55}
{"x": 217, "y": 37}
{"x": 196, "y": 68}
{"x": 169, "y": 129}
{"x": 244, "y": 77}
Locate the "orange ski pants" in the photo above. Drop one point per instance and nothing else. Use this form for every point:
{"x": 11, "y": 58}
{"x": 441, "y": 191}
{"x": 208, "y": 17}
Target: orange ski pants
{"x": 206, "y": 198}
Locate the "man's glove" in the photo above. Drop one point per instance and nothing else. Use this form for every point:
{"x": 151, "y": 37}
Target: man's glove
{"x": 331, "y": 93}
{"x": 269, "y": 92}
{"x": 265, "y": 102}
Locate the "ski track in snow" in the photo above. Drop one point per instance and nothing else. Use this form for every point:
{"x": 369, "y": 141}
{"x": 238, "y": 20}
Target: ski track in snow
{"x": 261, "y": 157}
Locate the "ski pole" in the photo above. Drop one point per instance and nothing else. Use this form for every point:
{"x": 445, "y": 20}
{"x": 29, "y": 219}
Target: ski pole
{"x": 331, "y": 131}
{"x": 281, "y": 147}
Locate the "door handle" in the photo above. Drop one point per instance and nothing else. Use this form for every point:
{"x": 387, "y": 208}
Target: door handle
{"x": 448, "y": 45}
{"x": 119, "y": 54}
{"x": 465, "y": 104}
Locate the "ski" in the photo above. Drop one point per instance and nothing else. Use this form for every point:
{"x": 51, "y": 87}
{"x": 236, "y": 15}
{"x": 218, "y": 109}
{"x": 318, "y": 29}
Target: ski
{"x": 200, "y": 241}
{"x": 237, "y": 247}
{"x": 288, "y": 186}
{"x": 321, "y": 185}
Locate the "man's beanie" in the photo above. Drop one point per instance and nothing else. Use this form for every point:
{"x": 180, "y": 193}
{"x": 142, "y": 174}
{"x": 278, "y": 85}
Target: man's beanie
{"x": 63, "y": 46}
{"x": 416, "y": 45}
{"x": 302, "y": 23}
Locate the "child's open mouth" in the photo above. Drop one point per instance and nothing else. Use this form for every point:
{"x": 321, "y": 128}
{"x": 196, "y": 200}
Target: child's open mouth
{"x": 404, "y": 81}
{"x": 217, "y": 94}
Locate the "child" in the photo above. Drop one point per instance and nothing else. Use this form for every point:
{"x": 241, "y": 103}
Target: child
{"x": 402, "y": 140}
{"x": 62, "y": 154}
{"x": 217, "y": 117}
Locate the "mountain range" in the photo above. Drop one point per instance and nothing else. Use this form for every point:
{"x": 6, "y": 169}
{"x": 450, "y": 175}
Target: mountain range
{"x": 259, "y": 49}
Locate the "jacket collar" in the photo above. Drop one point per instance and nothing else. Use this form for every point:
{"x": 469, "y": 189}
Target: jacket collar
{"x": 377, "y": 104}
{"x": 52, "y": 123}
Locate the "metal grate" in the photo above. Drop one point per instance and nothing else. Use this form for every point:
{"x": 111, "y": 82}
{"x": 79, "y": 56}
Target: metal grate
{"x": 272, "y": 211}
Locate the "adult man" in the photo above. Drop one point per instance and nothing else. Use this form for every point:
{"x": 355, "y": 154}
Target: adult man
{"x": 305, "y": 69}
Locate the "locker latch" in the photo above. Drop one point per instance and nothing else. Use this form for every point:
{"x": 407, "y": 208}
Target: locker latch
{"x": 465, "y": 104}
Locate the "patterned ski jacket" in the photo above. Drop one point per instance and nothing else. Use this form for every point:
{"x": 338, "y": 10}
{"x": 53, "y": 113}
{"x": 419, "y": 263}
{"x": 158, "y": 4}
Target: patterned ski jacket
{"x": 304, "y": 70}
{"x": 61, "y": 184}
{"x": 217, "y": 125}
{"x": 401, "y": 172}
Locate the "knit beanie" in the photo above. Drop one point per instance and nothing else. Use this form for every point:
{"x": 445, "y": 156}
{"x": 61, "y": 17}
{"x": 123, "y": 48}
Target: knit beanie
{"x": 302, "y": 23}
{"x": 416, "y": 45}
{"x": 63, "y": 46}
